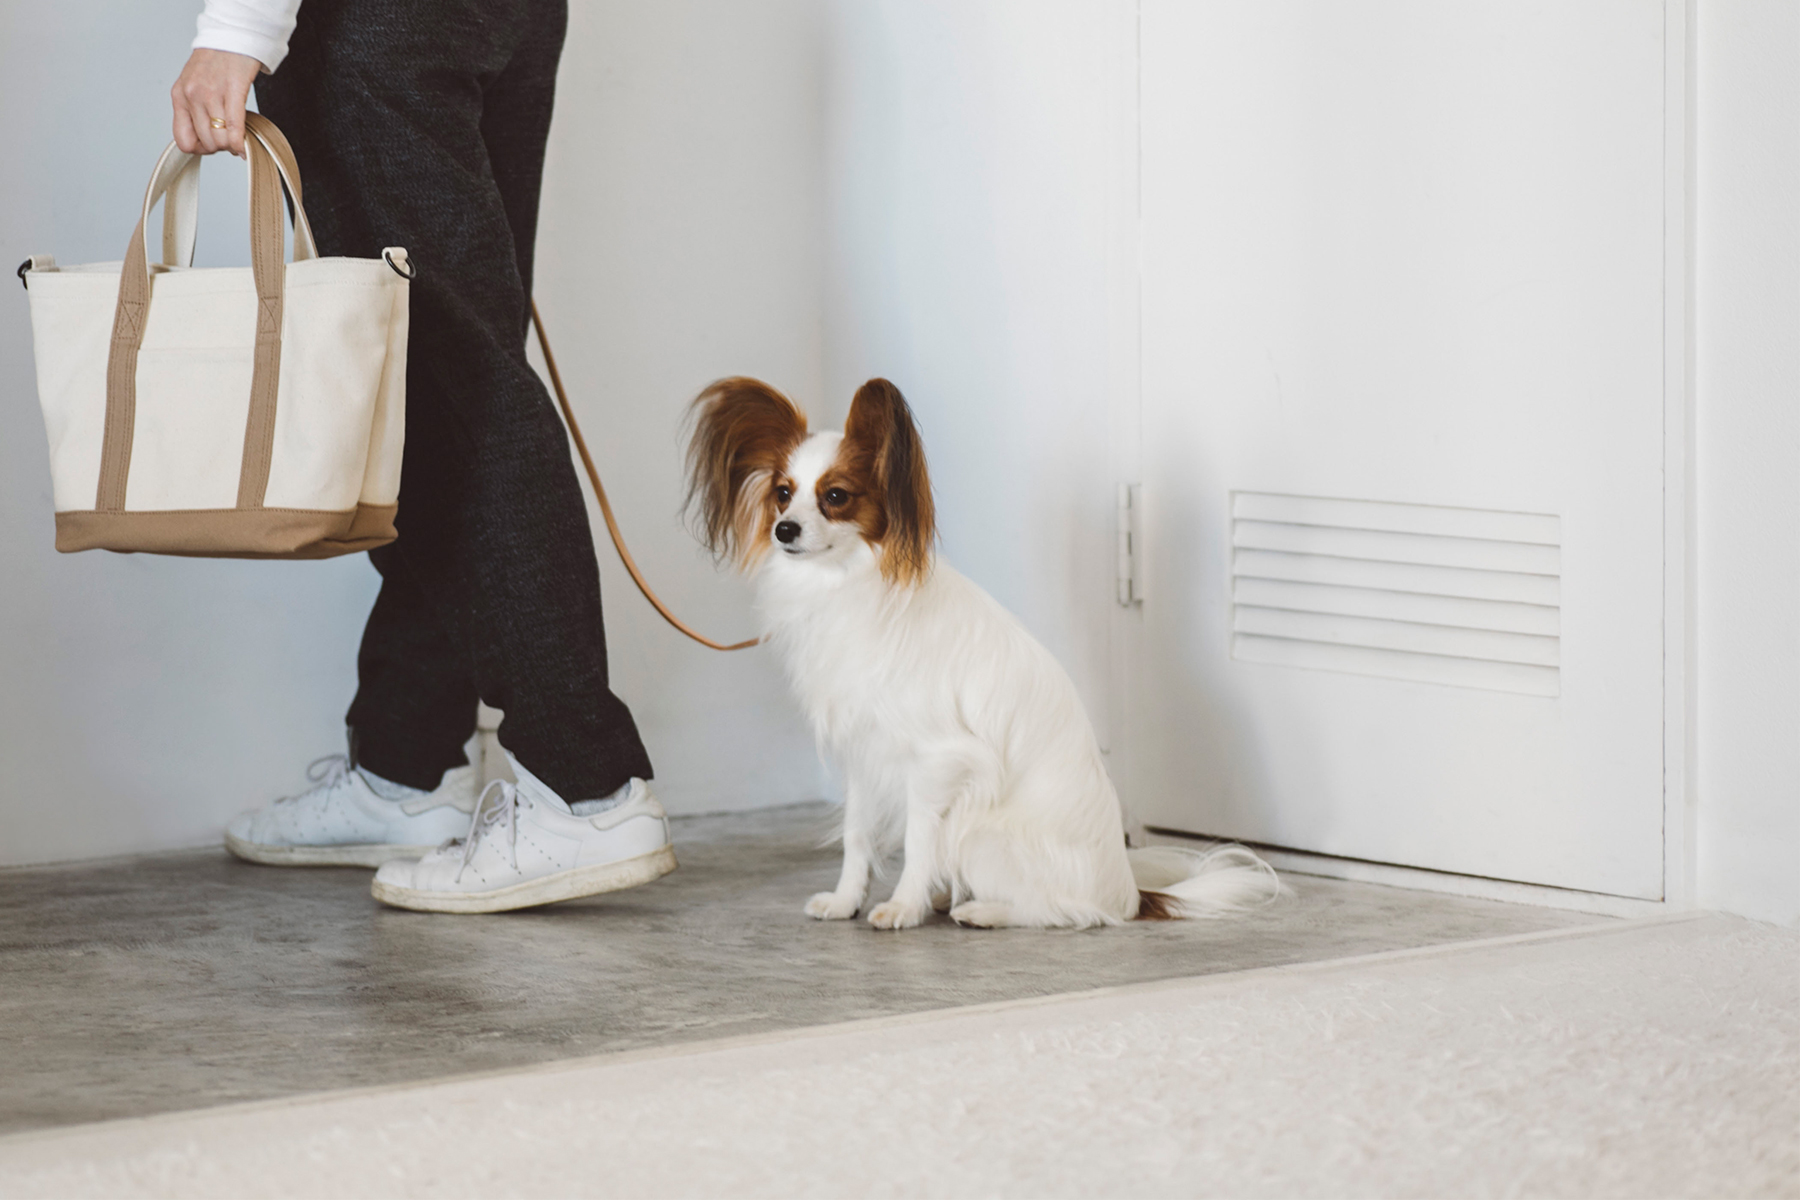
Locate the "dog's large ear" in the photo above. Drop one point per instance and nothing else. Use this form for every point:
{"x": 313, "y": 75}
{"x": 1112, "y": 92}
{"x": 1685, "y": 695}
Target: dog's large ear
{"x": 881, "y": 430}
{"x": 744, "y": 431}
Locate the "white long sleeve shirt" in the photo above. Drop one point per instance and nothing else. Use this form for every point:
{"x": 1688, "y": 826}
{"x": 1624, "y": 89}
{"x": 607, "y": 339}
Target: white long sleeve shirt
{"x": 259, "y": 28}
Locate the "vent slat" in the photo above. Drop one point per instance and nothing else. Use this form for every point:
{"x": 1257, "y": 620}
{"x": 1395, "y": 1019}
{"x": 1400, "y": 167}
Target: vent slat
{"x": 1398, "y": 635}
{"x": 1498, "y": 616}
{"x": 1539, "y": 528}
{"x": 1398, "y": 577}
{"x": 1428, "y": 550}
{"x": 1455, "y": 596}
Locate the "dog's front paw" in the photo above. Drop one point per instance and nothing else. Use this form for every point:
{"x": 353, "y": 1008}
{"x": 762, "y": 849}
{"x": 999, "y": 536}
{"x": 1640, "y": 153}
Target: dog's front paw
{"x": 894, "y": 915}
{"x": 829, "y": 906}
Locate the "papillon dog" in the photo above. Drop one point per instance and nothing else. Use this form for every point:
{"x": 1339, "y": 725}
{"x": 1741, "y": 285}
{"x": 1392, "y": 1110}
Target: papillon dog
{"x": 962, "y": 740}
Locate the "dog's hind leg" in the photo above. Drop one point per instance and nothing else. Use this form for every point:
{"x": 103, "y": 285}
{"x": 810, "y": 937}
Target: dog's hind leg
{"x": 1021, "y": 882}
{"x": 984, "y": 914}
{"x": 999, "y": 914}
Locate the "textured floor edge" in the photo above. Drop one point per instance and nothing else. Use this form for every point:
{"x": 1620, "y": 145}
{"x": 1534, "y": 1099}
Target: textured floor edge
{"x": 1423, "y": 879}
{"x": 868, "y": 1024}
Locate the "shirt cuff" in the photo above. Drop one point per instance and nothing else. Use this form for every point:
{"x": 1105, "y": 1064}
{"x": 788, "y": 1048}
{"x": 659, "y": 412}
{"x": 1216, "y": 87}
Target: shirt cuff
{"x": 249, "y": 28}
{"x": 264, "y": 50}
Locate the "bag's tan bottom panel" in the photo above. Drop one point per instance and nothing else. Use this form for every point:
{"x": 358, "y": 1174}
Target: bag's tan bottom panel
{"x": 230, "y": 532}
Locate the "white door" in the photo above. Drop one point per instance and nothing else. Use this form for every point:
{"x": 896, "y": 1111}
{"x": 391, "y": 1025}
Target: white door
{"x": 1402, "y": 433}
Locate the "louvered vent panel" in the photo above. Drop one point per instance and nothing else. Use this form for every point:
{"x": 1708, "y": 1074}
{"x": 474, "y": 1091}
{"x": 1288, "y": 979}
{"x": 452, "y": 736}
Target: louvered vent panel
{"x": 1458, "y": 596}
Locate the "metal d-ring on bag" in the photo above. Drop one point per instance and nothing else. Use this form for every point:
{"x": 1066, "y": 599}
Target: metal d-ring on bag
{"x": 228, "y": 412}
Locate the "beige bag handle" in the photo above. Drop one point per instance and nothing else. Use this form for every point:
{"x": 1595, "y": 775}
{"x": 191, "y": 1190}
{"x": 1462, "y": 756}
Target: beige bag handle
{"x": 272, "y": 167}
{"x": 181, "y": 205}
{"x": 181, "y": 215}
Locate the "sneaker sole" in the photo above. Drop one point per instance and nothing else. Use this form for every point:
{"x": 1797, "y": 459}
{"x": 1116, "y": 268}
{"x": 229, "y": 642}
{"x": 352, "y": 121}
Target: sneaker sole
{"x": 564, "y": 885}
{"x": 365, "y": 854}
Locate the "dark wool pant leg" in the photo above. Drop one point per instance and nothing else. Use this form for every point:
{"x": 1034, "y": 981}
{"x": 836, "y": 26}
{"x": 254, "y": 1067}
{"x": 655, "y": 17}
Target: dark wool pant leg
{"x": 422, "y": 123}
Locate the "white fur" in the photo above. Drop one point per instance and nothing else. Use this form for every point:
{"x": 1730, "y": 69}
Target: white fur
{"x": 963, "y": 743}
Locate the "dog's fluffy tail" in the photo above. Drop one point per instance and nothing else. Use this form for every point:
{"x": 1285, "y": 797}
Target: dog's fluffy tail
{"x": 1174, "y": 882}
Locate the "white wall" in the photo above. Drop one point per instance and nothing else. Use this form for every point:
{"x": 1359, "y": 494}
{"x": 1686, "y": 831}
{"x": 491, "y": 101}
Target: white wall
{"x": 1747, "y": 368}
{"x": 974, "y": 185}
{"x": 147, "y": 699}
{"x": 813, "y": 191}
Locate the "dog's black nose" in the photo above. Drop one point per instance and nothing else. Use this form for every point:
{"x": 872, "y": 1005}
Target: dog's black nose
{"x": 787, "y": 531}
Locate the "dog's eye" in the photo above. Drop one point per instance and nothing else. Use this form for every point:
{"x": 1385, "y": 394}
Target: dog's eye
{"x": 837, "y": 496}
{"x": 784, "y": 493}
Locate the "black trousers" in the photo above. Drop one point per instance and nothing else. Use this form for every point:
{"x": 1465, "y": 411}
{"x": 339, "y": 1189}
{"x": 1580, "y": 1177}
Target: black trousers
{"x": 422, "y": 123}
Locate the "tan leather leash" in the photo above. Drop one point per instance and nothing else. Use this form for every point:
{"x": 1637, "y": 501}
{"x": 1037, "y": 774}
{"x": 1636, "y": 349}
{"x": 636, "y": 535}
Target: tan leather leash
{"x": 612, "y": 524}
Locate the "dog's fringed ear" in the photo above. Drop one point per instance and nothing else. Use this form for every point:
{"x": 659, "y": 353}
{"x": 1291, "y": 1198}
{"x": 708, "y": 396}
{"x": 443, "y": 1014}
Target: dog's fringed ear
{"x": 881, "y": 426}
{"x": 744, "y": 431}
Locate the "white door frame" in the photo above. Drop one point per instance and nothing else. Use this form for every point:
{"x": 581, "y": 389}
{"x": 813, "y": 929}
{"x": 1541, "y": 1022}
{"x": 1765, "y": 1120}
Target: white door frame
{"x": 1679, "y": 528}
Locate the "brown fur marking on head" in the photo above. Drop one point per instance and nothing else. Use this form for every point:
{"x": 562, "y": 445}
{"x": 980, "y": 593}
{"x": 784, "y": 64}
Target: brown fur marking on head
{"x": 744, "y": 431}
{"x": 882, "y": 461}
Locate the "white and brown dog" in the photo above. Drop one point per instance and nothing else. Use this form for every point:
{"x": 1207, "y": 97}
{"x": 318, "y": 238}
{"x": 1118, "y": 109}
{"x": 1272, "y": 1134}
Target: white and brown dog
{"x": 961, "y": 739}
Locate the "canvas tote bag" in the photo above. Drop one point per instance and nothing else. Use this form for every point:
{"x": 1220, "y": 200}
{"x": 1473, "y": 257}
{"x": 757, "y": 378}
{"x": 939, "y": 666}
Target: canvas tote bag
{"x": 233, "y": 412}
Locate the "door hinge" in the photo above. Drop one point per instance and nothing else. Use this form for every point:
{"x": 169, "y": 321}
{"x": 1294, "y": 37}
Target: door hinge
{"x": 1128, "y": 577}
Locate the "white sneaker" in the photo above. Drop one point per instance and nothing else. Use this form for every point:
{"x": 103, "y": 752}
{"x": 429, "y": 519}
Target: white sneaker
{"x": 342, "y": 822}
{"x": 524, "y": 847}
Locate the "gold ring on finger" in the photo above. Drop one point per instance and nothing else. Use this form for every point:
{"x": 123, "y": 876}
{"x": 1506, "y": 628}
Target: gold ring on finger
{"x": 218, "y": 122}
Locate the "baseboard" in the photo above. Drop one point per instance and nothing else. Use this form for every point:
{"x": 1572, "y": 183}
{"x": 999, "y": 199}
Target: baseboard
{"x": 1301, "y": 862}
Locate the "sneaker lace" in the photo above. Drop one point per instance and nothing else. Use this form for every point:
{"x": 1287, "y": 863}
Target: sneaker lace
{"x": 325, "y": 772}
{"x": 493, "y": 817}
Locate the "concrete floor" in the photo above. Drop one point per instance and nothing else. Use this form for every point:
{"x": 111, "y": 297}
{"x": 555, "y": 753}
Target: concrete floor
{"x": 184, "y": 981}
{"x": 1625, "y": 1059}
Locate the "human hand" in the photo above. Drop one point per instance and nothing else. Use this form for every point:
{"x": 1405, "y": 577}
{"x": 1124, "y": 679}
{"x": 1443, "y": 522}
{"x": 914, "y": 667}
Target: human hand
{"x": 214, "y": 86}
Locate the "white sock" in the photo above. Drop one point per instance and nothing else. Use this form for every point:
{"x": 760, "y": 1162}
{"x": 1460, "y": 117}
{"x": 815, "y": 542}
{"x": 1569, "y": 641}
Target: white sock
{"x": 387, "y": 789}
{"x": 587, "y": 808}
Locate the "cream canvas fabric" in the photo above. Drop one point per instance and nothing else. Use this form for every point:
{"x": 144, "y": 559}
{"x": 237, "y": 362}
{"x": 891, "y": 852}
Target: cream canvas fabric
{"x": 251, "y": 411}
